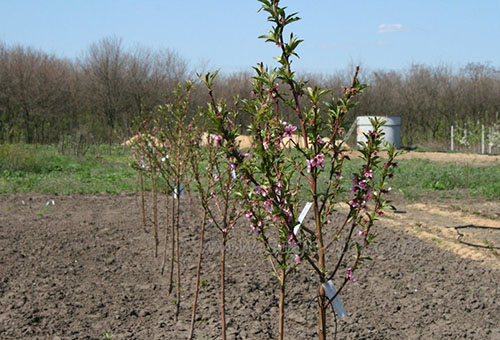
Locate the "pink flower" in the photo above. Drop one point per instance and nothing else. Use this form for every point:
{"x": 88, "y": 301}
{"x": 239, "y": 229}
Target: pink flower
{"x": 261, "y": 191}
{"x": 246, "y": 155}
{"x": 349, "y": 275}
{"x": 354, "y": 204}
{"x": 291, "y": 241}
{"x": 362, "y": 184}
{"x": 265, "y": 143}
{"x": 288, "y": 215}
{"x": 317, "y": 162}
{"x": 217, "y": 140}
{"x": 248, "y": 215}
{"x": 297, "y": 259}
{"x": 268, "y": 205}
{"x": 369, "y": 174}
{"x": 288, "y": 130}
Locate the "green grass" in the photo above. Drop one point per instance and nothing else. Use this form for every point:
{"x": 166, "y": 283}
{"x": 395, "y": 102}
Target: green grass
{"x": 418, "y": 176}
{"x": 42, "y": 169}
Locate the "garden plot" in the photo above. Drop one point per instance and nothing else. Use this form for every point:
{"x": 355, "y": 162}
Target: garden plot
{"x": 83, "y": 267}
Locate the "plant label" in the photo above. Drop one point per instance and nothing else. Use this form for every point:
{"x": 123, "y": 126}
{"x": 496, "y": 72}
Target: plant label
{"x": 181, "y": 187}
{"x": 337, "y": 304}
{"x": 302, "y": 216}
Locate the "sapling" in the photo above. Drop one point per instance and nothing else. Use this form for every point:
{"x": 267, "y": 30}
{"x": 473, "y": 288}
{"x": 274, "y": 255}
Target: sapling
{"x": 200, "y": 171}
{"x": 143, "y": 151}
{"x": 219, "y": 193}
{"x": 173, "y": 128}
{"x": 273, "y": 169}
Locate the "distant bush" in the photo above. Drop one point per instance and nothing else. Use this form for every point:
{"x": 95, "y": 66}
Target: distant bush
{"x": 19, "y": 157}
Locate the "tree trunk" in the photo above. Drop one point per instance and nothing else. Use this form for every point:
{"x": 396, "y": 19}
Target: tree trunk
{"x": 198, "y": 271}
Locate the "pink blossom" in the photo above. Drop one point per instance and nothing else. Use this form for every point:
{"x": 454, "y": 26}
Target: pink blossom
{"x": 354, "y": 204}
{"x": 317, "y": 162}
{"x": 268, "y": 205}
{"x": 291, "y": 240}
{"x": 362, "y": 184}
{"x": 288, "y": 130}
{"x": 265, "y": 143}
{"x": 261, "y": 191}
{"x": 217, "y": 140}
{"x": 277, "y": 189}
{"x": 246, "y": 155}
{"x": 248, "y": 215}
{"x": 349, "y": 275}
{"x": 369, "y": 174}
{"x": 254, "y": 228}
{"x": 288, "y": 214}
{"x": 297, "y": 259}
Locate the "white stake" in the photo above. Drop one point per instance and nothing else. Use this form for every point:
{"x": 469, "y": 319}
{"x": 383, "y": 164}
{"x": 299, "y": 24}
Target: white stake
{"x": 302, "y": 216}
{"x": 452, "y": 137}
{"x": 482, "y": 139}
{"x": 181, "y": 187}
{"x": 337, "y": 304}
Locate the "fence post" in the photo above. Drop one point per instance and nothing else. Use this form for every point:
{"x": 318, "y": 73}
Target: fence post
{"x": 452, "y": 146}
{"x": 482, "y": 139}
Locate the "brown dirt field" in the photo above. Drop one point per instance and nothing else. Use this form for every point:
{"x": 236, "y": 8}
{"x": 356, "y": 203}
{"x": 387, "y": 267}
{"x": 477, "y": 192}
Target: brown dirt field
{"x": 84, "y": 267}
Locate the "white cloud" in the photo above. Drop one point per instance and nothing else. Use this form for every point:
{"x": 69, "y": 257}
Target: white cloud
{"x": 389, "y": 28}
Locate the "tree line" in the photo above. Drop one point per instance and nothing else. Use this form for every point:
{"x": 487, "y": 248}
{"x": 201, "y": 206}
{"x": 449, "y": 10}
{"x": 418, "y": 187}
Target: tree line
{"x": 101, "y": 97}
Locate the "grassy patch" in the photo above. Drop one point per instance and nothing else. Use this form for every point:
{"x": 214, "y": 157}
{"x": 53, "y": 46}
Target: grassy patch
{"x": 104, "y": 169}
{"x": 44, "y": 170}
{"x": 418, "y": 176}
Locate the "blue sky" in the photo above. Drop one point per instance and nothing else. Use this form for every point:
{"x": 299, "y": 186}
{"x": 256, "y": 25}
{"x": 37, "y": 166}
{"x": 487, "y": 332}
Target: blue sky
{"x": 223, "y": 34}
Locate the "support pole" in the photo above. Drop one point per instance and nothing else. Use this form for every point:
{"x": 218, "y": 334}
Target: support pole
{"x": 452, "y": 138}
{"x": 482, "y": 139}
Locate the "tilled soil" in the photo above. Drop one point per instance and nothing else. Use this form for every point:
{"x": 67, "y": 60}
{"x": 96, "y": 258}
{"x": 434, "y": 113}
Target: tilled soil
{"x": 83, "y": 267}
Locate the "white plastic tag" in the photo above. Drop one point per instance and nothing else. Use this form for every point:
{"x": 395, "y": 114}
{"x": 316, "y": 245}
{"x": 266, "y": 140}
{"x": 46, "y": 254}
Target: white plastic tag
{"x": 302, "y": 216}
{"x": 337, "y": 304}
{"x": 181, "y": 187}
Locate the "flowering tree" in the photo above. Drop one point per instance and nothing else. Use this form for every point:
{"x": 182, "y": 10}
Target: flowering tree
{"x": 217, "y": 188}
{"x": 278, "y": 168}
